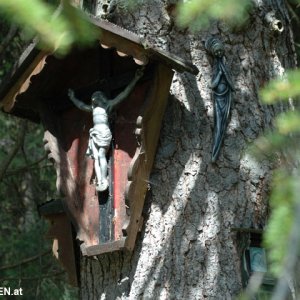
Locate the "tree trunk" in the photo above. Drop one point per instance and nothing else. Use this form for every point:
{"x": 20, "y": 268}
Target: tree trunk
{"x": 187, "y": 249}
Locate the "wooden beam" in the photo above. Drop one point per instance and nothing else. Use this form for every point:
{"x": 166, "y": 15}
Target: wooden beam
{"x": 99, "y": 249}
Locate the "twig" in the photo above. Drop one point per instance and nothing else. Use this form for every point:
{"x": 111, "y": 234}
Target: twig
{"x": 10, "y": 35}
{"x": 25, "y": 261}
{"x": 14, "y": 150}
{"x": 247, "y": 230}
{"x": 292, "y": 12}
{"x": 34, "y": 277}
{"x": 15, "y": 172}
{"x": 26, "y": 168}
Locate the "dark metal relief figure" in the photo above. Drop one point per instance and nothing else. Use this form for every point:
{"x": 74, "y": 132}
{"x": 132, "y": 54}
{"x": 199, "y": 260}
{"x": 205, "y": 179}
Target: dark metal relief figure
{"x": 100, "y": 134}
{"x": 222, "y": 88}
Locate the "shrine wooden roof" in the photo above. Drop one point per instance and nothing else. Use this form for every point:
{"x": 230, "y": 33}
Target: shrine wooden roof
{"x": 33, "y": 61}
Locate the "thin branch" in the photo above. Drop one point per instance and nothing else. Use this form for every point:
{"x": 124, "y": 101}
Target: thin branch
{"x": 20, "y": 140}
{"x": 34, "y": 277}
{"x": 15, "y": 172}
{"x": 25, "y": 261}
{"x": 8, "y": 38}
{"x": 27, "y": 167}
{"x": 292, "y": 12}
{"x": 247, "y": 230}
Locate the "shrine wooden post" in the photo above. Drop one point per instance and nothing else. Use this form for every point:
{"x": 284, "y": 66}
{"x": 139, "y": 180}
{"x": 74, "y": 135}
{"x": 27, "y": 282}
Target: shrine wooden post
{"x": 37, "y": 90}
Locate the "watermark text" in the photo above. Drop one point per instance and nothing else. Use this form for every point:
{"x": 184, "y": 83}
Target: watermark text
{"x": 8, "y": 291}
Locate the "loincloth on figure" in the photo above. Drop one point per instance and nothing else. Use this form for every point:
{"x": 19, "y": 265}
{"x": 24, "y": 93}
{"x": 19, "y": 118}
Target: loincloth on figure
{"x": 99, "y": 139}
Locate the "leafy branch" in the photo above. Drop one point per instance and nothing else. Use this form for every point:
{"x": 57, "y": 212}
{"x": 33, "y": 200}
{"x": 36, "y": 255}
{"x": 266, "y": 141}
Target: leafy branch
{"x": 197, "y": 14}
{"x": 57, "y": 29}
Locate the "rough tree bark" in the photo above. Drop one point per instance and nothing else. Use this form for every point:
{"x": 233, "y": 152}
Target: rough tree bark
{"x": 186, "y": 249}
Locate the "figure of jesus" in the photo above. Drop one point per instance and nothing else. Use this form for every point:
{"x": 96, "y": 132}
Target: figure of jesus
{"x": 100, "y": 134}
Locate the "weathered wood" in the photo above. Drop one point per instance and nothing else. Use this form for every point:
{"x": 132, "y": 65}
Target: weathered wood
{"x": 125, "y": 147}
{"x": 61, "y": 232}
{"x": 126, "y": 43}
{"x": 113, "y": 36}
{"x": 148, "y": 128}
{"x": 100, "y": 218}
{"x": 172, "y": 60}
{"x": 22, "y": 78}
{"x": 66, "y": 146}
{"x": 99, "y": 249}
{"x": 66, "y": 141}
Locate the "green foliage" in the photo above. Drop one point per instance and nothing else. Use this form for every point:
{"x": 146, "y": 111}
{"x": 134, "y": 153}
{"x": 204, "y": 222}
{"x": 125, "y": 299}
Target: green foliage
{"x": 281, "y": 145}
{"x": 284, "y": 143}
{"x": 288, "y": 123}
{"x": 58, "y": 291}
{"x": 282, "y": 203}
{"x": 282, "y": 88}
{"x": 11, "y": 46}
{"x": 199, "y": 13}
{"x": 29, "y": 181}
{"x": 57, "y": 30}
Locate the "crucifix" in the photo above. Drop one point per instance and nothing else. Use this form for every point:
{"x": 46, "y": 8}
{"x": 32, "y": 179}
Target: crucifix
{"x": 100, "y": 135}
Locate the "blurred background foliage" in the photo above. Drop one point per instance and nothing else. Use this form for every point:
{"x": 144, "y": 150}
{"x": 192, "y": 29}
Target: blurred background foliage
{"x": 197, "y": 14}
{"x": 26, "y": 177}
{"x": 57, "y": 27}
{"x": 27, "y": 180}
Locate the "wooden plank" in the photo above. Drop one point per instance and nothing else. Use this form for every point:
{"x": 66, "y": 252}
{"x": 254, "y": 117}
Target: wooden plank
{"x": 99, "y": 249}
{"x": 148, "y": 129}
{"x": 22, "y": 83}
{"x": 24, "y": 61}
{"x": 173, "y": 61}
{"x": 125, "y": 147}
{"x": 115, "y": 29}
{"x": 63, "y": 248}
{"x": 121, "y": 44}
{"x": 128, "y": 43}
{"x": 125, "y": 42}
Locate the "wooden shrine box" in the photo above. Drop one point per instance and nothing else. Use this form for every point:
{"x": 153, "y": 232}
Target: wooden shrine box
{"x": 61, "y": 232}
{"x": 37, "y": 90}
